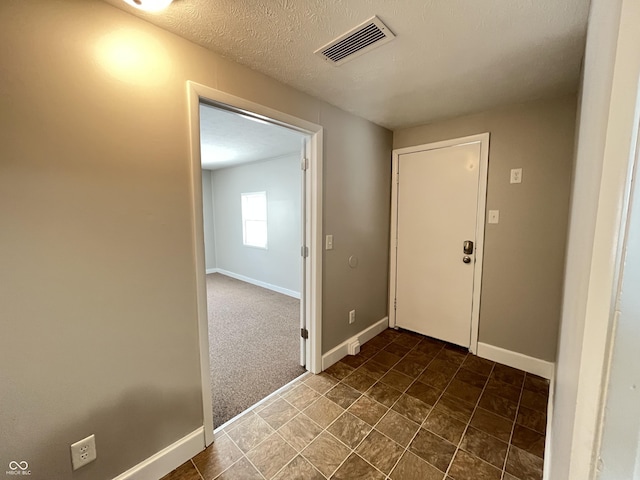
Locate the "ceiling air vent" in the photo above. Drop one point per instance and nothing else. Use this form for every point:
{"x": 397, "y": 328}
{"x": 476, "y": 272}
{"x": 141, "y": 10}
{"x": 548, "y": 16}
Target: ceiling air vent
{"x": 355, "y": 42}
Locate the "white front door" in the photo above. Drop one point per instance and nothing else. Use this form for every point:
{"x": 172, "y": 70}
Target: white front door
{"x": 437, "y": 214}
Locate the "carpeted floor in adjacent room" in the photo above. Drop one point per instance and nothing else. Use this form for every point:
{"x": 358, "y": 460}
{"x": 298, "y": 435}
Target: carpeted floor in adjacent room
{"x": 254, "y": 336}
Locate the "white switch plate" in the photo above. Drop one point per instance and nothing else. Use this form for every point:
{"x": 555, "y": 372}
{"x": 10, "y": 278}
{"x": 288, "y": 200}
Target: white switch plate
{"x": 328, "y": 242}
{"x": 516, "y": 175}
{"x": 352, "y": 317}
{"x": 83, "y": 452}
{"x": 494, "y": 216}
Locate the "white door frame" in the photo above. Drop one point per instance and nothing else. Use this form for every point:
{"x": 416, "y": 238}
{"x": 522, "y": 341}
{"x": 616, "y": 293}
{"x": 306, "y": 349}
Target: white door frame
{"x": 312, "y": 283}
{"x": 483, "y": 139}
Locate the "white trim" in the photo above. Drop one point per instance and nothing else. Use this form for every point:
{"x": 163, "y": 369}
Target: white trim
{"x": 483, "y": 139}
{"x": 548, "y": 452}
{"x": 252, "y": 281}
{"x": 167, "y": 459}
{"x": 533, "y": 365}
{"x": 313, "y": 273}
{"x": 337, "y": 353}
{"x": 610, "y": 227}
{"x": 312, "y": 285}
{"x": 193, "y": 104}
{"x": 480, "y": 230}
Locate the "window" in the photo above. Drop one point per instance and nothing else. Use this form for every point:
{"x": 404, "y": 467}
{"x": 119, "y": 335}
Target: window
{"x": 254, "y": 219}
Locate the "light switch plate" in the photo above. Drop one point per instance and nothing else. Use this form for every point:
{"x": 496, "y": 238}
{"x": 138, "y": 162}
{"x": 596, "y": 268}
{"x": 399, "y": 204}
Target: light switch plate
{"x": 328, "y": 242}
{"x": 494, "y": 216}
{"x": 516, "y": 175}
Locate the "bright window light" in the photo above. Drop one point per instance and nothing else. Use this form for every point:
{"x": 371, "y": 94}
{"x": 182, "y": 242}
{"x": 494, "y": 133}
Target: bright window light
{"x": 254, "y": 219}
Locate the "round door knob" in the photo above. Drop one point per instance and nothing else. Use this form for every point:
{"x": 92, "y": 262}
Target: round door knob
{"x": 466, "y": 259}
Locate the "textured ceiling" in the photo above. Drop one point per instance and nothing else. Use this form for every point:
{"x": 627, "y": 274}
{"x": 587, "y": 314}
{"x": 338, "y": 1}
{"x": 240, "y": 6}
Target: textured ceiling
{"x": 229, "y": 139}
{"x": 450, "y": 57}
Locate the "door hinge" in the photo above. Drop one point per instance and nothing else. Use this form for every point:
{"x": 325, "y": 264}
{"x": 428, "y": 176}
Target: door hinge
{"x": 304, "y": 164}
{"x": 304, "y": 333}
{"x": 395, "y": 303}
{"x": 304, "y": 251}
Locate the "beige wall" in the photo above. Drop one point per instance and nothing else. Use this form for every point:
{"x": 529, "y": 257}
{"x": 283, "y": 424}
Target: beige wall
{"x": 524, "y": 253}
{"x": 97, "y": 305}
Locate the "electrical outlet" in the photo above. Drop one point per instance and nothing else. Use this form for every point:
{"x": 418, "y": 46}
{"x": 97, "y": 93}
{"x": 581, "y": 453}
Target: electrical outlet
{"x": 83, "y": 452}
{"x": 352, "y": 317}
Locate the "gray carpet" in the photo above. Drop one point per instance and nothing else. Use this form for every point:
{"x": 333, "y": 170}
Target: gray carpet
{"x": 254, "y": 337}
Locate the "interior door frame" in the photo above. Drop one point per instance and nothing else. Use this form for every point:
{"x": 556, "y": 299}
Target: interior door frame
{"x": 312, "y": 282}
{"x": 483, "y": 139}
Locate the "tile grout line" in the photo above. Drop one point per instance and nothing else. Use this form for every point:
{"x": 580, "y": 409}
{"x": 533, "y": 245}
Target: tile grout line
{"x": 388, "y": 408}
{"x": 421, "y": 425}
{"x": 241, "y": 457}
{"x": 244, "y": 455}
{"x": 373, "y": 426}
{"x": 324, "y": 429}
{"x": 434, "y": 406}
{"x": 406, "y": 449}
{"x": 277, "y": 394}
{"x": 196, "y": 467}
{"x": 299, "y": 411}
{"x": 466, "y": 428}
{"x": 373, "y": 375}
{"x": 362, "y": 394}
{"x": 513, "y": 428}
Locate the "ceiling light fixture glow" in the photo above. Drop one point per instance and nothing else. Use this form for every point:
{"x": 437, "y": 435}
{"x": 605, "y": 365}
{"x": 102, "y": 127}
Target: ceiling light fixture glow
{"x": 149, "y": 5}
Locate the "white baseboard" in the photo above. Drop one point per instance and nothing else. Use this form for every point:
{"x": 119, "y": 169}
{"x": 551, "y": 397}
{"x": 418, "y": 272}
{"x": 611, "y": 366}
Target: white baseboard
{"x": 336, "y": 354}
{"x": 533, "y": 365}
{"x": 161, "y": 463}
{"x": 252, "y": 281}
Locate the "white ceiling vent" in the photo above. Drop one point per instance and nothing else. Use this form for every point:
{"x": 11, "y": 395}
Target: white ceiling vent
{"x": 366, "y": 36}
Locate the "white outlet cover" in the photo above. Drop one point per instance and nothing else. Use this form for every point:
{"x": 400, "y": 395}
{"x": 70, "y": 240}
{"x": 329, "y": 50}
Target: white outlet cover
{"x": 494, "y": 216}
{"x": 516, "y": 175}
{"x": 83, "y": 452}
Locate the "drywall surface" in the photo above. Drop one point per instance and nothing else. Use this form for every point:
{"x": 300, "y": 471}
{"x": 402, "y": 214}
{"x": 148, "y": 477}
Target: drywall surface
{"x": 524, "y": 253}
{"x": 208, "y": 222}
{"x": 98, "y": 297}
{"x": 592, "y": 131}
{"x": 357, "y": 196}
{"x": 280, "y": 263}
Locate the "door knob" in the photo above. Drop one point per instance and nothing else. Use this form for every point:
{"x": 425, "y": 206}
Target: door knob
{"x": 466, "y": 259}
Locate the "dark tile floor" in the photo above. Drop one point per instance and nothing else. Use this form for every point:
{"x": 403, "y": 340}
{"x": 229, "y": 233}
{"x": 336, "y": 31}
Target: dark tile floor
{"x": 407, "y": 407}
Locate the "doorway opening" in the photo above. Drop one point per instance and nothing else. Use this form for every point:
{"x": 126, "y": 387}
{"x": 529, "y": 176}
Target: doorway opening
{"x": 252, "y": 208}
{"x": 256, "y": 177}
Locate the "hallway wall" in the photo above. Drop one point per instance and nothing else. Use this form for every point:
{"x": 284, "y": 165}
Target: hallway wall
{"x": 98, "y": 305}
